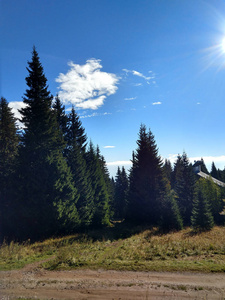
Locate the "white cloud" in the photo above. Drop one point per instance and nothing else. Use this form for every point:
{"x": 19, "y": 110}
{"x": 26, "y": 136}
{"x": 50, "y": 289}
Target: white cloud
{"x": 109, "y": 147}
{"x": 139, "y": 74}
{"x": 138, "y": 84}
{"x": 15, "y": 106}
{"x": 119, "y": 163}
{"x": 218, "y": 160}
{"x": 86, "y": 86}
{"x": 156, "y": 103}
{"x": 95, "y": 115}
{"x": 132, "y": 98}
{"x": 113, "y": 166}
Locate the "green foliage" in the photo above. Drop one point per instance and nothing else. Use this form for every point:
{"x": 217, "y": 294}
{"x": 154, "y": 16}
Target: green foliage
{"x": 147, "y": 185}
{"x": 101, "y": 216}
{"x": 214, "y": 172}
{"x": 167, "y": 170}
{"x": 121, "y": 194}
{"x": 60, "y": 186}
{"x": 184, "y": 185}
{"x": 47, "y": 197}
{"x": 8, "y": 154}
{"x": 201, "y": 215}
{"x": 214, "y": 196}
{"x": 171, "y": 218}
{"x": 60, "y": 113}
{"x": 74, "y": 154}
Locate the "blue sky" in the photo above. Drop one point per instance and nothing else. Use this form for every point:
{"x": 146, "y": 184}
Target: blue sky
{"x": 123, "y": 63}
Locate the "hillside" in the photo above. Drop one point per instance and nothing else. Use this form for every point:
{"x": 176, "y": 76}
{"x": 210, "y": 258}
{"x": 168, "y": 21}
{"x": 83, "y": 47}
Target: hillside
{"x": 119, "y": 248}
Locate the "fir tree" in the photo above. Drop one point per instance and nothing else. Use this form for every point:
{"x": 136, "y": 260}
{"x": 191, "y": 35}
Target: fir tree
{"x": 121, "y": 190}
{"x": 47, "y": 195}
{"x": 147, "y": 185}
{"x": 61, "y": 116}
{"x": 214, "y": 171}
{"x": 8, "y": 153}
{"x": 76, "y": 132}
{"x": 184, "y": 185}
{"x": 201, "y": 215}
{"x": 167, "y": 169}
{"x": 214, "y": 195}
{"x": 101, "y": 216}
{"x": 171, "y": 217}
{"x": 108, "y": 182}
{"x": 76, "y": 138}
{"x": 203, "y": 167}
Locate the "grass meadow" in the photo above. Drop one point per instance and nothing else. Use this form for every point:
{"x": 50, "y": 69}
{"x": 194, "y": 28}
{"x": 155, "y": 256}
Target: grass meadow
{"x": 118, "y": 248}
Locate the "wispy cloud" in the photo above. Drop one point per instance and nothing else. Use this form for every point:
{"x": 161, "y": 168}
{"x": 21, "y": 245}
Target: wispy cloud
{"x": 138, "y": 84}
{"x": 95, "y": 115}
{"x": 109, "y": 147}
{"x": 156, "y": 103}
{"x": 139, "y": 74}
{"x": 132, "y": 98}
{"x": 86, "y": 86}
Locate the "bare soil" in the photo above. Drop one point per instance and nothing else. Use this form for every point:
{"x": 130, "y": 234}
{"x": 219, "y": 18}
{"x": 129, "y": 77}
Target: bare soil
{"x": 37, "y": 283}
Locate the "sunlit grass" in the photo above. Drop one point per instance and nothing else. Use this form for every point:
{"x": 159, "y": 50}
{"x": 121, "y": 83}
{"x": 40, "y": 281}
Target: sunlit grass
{"x": 145, "y": 250}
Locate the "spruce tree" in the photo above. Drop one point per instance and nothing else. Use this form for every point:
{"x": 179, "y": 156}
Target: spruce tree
{"x": 47, "y": 196}
{"x": 121, "y": 190}
{"x": 61, "y": 116}
{"x": 214, "y": 171}
{"x": 171, "y": 217}
{"x": 76, "y": 138}
{"x": 214, "y": 195}
{"x": 76, "y": 133}
{"x": 8, "y": 154}
{"x": 184, "y": 185}
{"x": 167, "y": 169}
{"x": 201, "y": 218}
{"x": 101, "y": 214}
{"x": 203, "y": 167}
{"x": 147, "y": 185}
{"x": 107, "y": 180}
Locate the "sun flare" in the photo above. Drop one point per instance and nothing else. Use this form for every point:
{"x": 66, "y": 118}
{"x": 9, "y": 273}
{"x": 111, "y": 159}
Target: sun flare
{"x": 223, "y": 45}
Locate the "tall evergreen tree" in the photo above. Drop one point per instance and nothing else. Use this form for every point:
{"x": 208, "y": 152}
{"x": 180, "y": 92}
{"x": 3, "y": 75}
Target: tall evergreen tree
{"x": 171, "y": 217}
{"x": 106, "y": 177}
{"x": 214, "y": 195}
{"x": 201, "y": 215}
{"x": 76, "y": 132}
{"x": 8, "y": 153}
{"x": 203, "y": 167}
{"x": 47, "y": 197}
{"x": 184, "y": 185}
{"x": 61, "y": 116}
{"x": 214, "y": 171}
{"x": 147, "y": 185}
{"x": 121, "y": 193}
{"x": 101, "y": 216}
{"x": 167, "y": 169}
{"x": 76, "y": 139}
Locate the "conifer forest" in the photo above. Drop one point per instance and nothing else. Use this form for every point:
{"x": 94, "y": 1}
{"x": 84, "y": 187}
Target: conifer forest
{"x": 54, "y": 182}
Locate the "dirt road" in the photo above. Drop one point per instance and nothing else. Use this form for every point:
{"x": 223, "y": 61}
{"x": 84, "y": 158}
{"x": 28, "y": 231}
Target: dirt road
{"x": 34, "y": 282}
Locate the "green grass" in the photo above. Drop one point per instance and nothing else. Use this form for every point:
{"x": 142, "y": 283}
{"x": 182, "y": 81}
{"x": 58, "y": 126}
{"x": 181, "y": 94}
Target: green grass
{"x": 120, "y": 249}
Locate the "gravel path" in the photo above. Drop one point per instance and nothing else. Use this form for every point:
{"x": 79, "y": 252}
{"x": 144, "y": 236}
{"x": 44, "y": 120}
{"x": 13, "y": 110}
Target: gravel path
{"x": 34, "y": 282}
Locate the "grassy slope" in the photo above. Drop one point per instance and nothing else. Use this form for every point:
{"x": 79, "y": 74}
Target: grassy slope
{"x": 120, "y": 249}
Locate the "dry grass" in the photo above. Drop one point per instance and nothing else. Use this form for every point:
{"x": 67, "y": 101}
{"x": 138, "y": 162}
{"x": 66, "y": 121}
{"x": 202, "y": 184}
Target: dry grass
{"x": 146, "y": 250}
{"x": 149, "y": 250}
